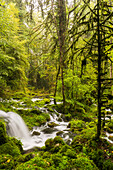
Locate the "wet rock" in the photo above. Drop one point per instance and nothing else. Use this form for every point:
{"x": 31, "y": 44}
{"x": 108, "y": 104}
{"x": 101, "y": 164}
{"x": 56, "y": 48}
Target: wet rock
{"x": 59, "y": 133}
{"x": 69, "y": 125}
{"x": 111, "y": 137}
{"x": 49, "y": 130}
{"x": 35, "y": 111}
{"x": 52, "y": 124}
{"x": 64, "y": 118}
{"x": 59, "y": 119}
{"x": 35, "y": 133}
{"x": 68, "y": 142}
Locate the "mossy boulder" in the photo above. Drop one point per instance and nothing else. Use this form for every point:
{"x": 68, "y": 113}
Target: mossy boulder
{"x": 6, "y": 162}
{"x": 10, "y": 148}
{"x": 25, "y": 157}
{"x": 59, "y": 133}
{"x": 37, "y": 163}
{"x": 52, "y": 124}
{"x": 84, "y": 163}
{"x": 3, "y": 135}
{"x": 35, "y": 111}
{"x": 35, "y": 133}
{"x": 54, "y": 145}
{"x": 111, "y": 137}
{"x": 76, "y": 125}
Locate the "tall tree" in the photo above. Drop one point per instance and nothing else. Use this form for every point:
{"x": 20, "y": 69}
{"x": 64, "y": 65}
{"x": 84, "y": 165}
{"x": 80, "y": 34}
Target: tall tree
{"x": 94, "y": 26}
{"x": 62, "y": 40}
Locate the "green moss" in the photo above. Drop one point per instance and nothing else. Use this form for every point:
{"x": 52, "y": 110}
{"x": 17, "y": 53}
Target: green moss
{"x": 98, "y": 157}
{"x": 77, "y": 125}
{"x": 54, "y": 145}
{"x": 10, "y": 148}
{"x": 107, "y": 164}
{"x": 68, "y": 117}
{"x": 35, "y": 163}
{"x": 34, "y": 117}
{"x": 52, "y": 124}
{"x": 3, "y": 136}
{"x": 25, "y": 157}
{"x": 18, "y": 143}
{"x": 84, "y": 163}
{"x": 6, "y": 162}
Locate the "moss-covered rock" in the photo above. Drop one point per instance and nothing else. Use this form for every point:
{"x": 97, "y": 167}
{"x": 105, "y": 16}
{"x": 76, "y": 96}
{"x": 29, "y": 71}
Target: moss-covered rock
{"x": 76, "y": 125}
{"x": 17, "y": 142}
{"x": 35, "y": 133}
{"x": 10, "y": 148}
{"x": 107, "y": 164}
{"x": 24, "y": 158}
{"x": 54, "y": 145}
{"x": 84, "y": 163}
{"x": 111, "y": 137}
{"x": 3, "y": 135}
{"x": 59, "y": 133}
{"x": 6, "y": 162}
{"x": 35, "y": 163}
{"x": 52, "y": 124}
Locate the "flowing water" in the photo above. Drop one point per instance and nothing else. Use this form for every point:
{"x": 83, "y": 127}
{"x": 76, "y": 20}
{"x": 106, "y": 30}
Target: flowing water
{"x": 17, "y": 128}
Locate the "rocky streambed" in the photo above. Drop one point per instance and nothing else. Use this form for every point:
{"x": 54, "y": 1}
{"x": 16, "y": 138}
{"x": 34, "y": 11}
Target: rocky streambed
{"x": 36, "y": 137}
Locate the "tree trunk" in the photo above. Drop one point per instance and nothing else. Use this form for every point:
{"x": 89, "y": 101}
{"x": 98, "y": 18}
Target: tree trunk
{"x": 61, "y": 37}
{"x": 99, "y": 71}
{"x": 56, "y": 84}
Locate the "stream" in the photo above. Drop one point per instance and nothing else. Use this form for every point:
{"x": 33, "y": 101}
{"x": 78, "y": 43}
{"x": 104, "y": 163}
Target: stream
{"x": 16, "y": 127}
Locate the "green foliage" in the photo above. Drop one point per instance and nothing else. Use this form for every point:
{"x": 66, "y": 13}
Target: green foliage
{"x": 12, "y": 51}
{"x": 3, "y": 137}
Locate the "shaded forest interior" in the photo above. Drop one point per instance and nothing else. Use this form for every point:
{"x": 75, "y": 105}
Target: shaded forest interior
{"x": 61, "y": 49}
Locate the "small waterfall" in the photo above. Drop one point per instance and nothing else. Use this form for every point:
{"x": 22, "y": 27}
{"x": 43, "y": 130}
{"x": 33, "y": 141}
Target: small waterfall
{"x": 16, "y": 127}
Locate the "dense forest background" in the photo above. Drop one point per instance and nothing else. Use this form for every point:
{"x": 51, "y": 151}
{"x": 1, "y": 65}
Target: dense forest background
{"x": 61, "y": 47}
{"x": 60, "y": 50}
